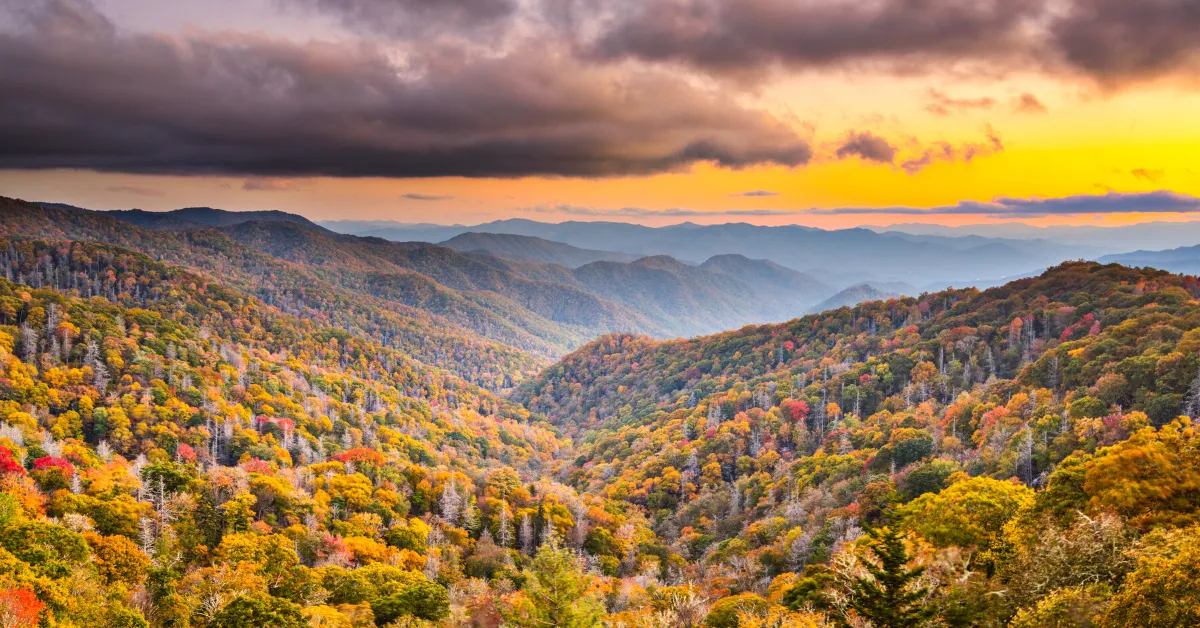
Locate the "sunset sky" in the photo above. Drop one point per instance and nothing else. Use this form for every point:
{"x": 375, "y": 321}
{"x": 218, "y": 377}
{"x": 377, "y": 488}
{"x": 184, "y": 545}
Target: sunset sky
{"x": 820, "y": 112}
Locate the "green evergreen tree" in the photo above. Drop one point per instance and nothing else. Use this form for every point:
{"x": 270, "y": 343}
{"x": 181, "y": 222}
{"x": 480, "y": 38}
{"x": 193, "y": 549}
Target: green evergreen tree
{"x": 557, "y": 590}
{"x": 888, "y": 598}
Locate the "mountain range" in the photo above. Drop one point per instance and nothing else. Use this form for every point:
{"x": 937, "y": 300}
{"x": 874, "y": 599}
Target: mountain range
{"x": 1185, "y": 259}
{"x": 539, "y": 308}
{"x": 212, "y": 421}
{"x": 844, "y": 256}
{"x": 1109, "y": 239}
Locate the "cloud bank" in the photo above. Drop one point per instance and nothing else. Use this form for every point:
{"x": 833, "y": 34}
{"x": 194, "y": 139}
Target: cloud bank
{"x": 1164, "y": 202}
{"x": 515, "y": 88}
{"x": 78, "y": 93}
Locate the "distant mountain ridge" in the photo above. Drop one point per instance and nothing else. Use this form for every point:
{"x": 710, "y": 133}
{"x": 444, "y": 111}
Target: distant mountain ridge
{"x": 531, "y": 249}
{"x": 1185, "y": 259}
{"x": 858, "y": 254}
{"x": 1104, "y": 239}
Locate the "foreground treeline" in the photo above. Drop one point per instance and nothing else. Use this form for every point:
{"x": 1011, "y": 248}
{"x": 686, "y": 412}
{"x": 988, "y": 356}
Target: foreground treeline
{"x": 176, "y": 453}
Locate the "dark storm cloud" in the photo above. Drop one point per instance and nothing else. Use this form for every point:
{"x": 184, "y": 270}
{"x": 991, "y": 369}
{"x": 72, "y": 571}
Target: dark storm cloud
{"x": 76, "y": 93}
{"x": 1110, "y": 203}
{"x": 867, "y": 146}
{"x": 746, "y": 36}
{"x": 1119, "y": 41}
{"x": 1111, "y": 41}
{"x": 406, "y": 18}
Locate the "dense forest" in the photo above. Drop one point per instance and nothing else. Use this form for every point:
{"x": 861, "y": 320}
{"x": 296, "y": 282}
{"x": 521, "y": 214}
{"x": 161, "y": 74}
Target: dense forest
{"x": 205, "y": 430}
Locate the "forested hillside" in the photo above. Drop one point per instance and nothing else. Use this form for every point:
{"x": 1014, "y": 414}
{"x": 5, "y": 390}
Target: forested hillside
{"x": 457, "y": 341}
{"x": 1025, "y": 439}
{"x": 540, "y": 310}
{"x": 208, "y": 428}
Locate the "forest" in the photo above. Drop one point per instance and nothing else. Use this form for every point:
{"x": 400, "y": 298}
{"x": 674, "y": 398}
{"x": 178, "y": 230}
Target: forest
{"x": 196, "y": 432}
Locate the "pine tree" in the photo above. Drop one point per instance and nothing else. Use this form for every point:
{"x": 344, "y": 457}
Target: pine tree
{"x": 557, "y": 592}
{"x": 888, "y": 598}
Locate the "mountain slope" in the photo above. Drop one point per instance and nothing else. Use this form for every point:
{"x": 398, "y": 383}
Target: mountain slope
{"x": 298, "y": 290}
{"x": 544, "y": 309}
{"x": 968, "y": 326}
{"x": 531, "y": 249}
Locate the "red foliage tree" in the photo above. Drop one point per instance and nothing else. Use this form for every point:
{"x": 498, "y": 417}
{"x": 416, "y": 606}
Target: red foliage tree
{"x": 9, "y": 464}
{"x": 19, "y": 608}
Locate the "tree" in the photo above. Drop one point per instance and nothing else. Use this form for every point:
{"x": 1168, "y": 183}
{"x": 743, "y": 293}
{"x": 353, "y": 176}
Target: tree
{"x": 968, "y": 513}
{"x": 417, "y": 597}
{"x": 727, "y": 612}
{"x": 1162, "y": 591}
{"x": 555, "y": 594}
{"x": 888, "y": 598}
{"x": 257, "y": 611}
{"x": 19, "y": 608}
{"x": 1073, "y": 607}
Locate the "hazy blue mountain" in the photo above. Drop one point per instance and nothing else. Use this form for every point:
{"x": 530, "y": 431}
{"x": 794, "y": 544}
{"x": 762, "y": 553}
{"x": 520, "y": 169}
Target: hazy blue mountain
{"x": 766, "y": 275}
{"x": 860, "y": 253}
{"x": 1110, "y": 240}
{"x": 531, "y": 249}
{"x": 854, "y": 295}
{"x": 1180, "y": 260}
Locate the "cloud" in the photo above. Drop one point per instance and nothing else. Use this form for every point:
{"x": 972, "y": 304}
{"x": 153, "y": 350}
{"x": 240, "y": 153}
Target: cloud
{"x": 415, "y": 196}
{"x": 641, "y": 212}
{"x": 1148, "y": 174}
{"x": 94, "y": 96}
{"x": 867, "y": 146}
{"x": 1113, "y": 42}
{"x": 947, "y": 152}
{"x": 136, "y": 190}
{"x": 260, "y": 184}
{"x": 756, "y": 194}
{"x": 941, "y": 104}
{"x": 870, "y": 147}
{"x": 407, "y": 18}
{"x": 736, "y": 37}
{"x": 1110, "y": 203}
{"x": 1028, "y": 103}
{"x": 1117, "y": 41}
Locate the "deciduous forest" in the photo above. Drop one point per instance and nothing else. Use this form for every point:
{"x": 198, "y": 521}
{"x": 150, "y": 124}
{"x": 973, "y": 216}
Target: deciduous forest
{"x": 211, "y": 427}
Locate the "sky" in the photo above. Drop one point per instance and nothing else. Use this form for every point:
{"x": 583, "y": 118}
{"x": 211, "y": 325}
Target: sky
{"x": 829, "y": 113}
